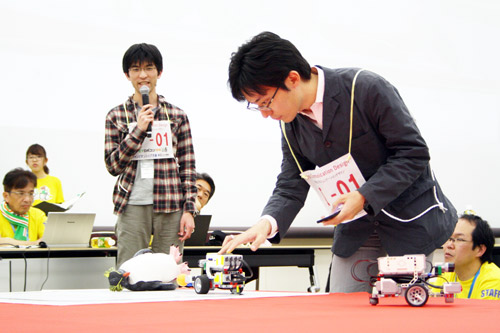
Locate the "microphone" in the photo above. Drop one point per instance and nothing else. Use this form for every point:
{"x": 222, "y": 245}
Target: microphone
{"x": 145, "y": 94}
{"x": 145, "y": 100}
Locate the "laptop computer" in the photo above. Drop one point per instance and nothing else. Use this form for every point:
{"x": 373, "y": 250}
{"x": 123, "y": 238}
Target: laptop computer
{"x": 199, "y": 236}
{"x": 68, "y": 229}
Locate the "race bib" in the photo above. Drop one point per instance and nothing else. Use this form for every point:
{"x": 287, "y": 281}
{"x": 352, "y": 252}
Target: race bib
{"x": 334, "y": 179}
{"x": 158, "y": 145}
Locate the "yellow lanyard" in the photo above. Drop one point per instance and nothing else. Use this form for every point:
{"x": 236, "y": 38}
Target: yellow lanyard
{"x": 135, "y": 110}
{"x": 350, "y": 130}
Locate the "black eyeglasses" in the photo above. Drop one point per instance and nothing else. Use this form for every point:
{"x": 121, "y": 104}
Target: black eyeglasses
{"x": 255, "y": 107}
{"x": 458, "y": 240}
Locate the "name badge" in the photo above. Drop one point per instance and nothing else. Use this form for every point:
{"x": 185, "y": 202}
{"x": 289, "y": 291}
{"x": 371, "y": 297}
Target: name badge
{"x": 334, "y": 179}
{"x": 158, "y": 145}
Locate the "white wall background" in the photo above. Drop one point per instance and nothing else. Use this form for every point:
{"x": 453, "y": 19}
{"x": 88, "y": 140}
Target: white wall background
{"x": 61, "y": 73}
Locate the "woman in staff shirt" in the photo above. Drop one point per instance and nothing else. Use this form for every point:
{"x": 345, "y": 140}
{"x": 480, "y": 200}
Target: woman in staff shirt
{"x": 48, "y": 187}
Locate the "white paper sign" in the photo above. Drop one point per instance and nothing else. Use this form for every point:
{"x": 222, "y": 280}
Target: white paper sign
{"x": 334, "y": 179}
{"x": 158, "y": 145}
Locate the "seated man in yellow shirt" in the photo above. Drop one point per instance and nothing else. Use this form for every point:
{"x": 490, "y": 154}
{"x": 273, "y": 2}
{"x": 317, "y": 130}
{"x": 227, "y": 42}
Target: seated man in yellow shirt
{"x": 20, "y": 223}
{"x": 470, "y": 247}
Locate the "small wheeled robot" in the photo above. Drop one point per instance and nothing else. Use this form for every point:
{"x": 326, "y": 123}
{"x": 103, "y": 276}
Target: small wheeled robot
{"x": 406, "y": 275}
{"x": 223, "y": 271}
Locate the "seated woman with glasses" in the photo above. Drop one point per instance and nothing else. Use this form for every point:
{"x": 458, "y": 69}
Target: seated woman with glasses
{"x": 20, "y": 223}
{"x": 48, "y": 187}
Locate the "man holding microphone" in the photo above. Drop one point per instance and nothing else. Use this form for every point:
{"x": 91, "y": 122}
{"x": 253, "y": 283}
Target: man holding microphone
{"x": 148, "y": 145}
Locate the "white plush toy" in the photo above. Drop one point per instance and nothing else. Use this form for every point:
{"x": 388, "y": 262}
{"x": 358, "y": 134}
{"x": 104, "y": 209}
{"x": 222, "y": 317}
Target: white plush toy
{"x": 149, "y": 271}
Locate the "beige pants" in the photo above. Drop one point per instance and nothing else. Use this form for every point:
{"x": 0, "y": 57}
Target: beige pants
{"x": 136, "y": 225}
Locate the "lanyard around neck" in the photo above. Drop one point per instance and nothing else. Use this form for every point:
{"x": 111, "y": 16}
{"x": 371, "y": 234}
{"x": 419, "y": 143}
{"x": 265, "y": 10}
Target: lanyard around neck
{"x": 473, "y": 281}
{"x": 350, "y": 130}
{"x": 135, "y": 110}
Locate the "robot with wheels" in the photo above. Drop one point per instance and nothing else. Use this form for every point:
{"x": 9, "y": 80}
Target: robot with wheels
{"x": 406, "y": 275}
{"x": 220, "y": 271}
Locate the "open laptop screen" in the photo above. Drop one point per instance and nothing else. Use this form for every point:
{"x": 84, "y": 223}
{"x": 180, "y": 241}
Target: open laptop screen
{"x": 199, "y": 236}
{"x": 68, "y": 229}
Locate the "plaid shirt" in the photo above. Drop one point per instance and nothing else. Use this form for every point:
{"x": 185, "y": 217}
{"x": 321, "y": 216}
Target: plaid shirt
{"x": 174, "y": 179}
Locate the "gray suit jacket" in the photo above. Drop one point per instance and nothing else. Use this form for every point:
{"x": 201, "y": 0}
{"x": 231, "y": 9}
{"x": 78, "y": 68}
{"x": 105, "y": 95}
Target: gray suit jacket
{"x": 391, "y": 154}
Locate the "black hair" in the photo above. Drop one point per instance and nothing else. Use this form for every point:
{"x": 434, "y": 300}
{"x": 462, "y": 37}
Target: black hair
{"x": 265, "y": 60}
{"x": 206, "y": 177}
{"x": 18, "y": 178}
{"x": 38, "y": 150}
{"x": 142, "y": 54}
{"x": 482, "y": 235}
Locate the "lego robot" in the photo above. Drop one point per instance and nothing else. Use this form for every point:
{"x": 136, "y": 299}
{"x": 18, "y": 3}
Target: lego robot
{"x": 405, "y": 275}
{"x": 220, "y": 271}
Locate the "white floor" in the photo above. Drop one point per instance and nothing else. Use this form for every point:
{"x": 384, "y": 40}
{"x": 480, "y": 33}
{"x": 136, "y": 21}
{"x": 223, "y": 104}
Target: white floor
{"x": 105, "y": 296}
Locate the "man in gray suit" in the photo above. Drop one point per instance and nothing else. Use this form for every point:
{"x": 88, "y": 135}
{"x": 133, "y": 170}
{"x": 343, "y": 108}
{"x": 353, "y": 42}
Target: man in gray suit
{"x": 404, "y": 210}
